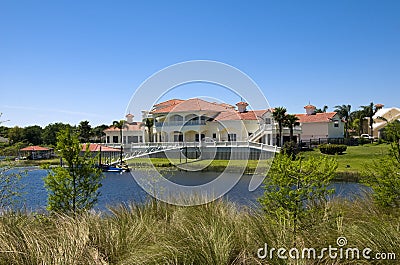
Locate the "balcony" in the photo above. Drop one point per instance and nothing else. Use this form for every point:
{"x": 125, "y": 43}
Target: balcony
{"x": 180, "y": 123}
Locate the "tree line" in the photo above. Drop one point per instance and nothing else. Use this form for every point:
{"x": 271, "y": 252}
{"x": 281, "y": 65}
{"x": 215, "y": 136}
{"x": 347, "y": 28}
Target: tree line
{"x": 36, "y": 135}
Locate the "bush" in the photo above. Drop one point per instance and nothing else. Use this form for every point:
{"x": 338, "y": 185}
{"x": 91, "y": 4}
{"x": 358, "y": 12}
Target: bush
{"x": 362, "y": 141}
{"x": 290, "y": 149}
{"x": 332, "y": 149}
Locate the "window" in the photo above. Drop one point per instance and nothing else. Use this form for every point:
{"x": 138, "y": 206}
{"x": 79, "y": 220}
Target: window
{"x": 232, "y": 137}
{"x": 178, "y": 137}
{"x": 132, "y": 139}
{"x": 176, "y": 118}
{"x": 335, "y": 123}
{"x": 202, "y": 136}
{"x": 214, "y": 136}
{"x": 115, "y": 139}
{"x": 267, "y": 120}
{"x": 108, "y": 139}
{"x": 140, "y": 139}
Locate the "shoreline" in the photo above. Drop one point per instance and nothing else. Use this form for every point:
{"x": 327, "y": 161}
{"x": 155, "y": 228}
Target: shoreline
{"x": 165, "y": 164}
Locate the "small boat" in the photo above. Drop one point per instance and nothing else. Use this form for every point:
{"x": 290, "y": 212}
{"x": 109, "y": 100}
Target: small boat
{"x": 117, "y": 168}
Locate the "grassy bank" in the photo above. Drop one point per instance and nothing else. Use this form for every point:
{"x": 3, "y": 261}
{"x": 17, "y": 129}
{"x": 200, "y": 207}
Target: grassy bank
{"x": 351, "y": 164}
{"x": 201, "y": 165}
{"x": 29, "y": 163}
{"x": 354, "y": 162}
{"x": 216, "y": 233}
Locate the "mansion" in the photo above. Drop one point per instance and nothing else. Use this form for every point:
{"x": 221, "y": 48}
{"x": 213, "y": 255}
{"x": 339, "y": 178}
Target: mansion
{"x": 198, "y": 120}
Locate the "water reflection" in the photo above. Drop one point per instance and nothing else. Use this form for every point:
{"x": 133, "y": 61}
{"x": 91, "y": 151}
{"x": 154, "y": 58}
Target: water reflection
{"x": 122, "y": 188}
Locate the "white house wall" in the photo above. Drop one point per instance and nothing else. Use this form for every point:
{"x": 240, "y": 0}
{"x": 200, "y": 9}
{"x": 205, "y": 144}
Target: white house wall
{"x": 315, "y": 130}
{"x": 126, "y": 136}
{"x": 336, "y": 132}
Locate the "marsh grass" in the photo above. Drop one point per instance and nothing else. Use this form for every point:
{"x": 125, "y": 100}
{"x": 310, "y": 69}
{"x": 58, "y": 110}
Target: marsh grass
{"x": 214, "y": 233}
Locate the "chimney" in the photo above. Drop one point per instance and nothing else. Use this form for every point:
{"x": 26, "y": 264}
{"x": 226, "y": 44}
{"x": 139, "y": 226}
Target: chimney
{"x": 145, "y": 114}
{"x": 129, "y": 118}
{"x": 310, "y": 109}
{"x": 242, "y": 106}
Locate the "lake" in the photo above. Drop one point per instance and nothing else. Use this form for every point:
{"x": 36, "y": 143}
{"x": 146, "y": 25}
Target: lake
{"x": 122, "y": 188}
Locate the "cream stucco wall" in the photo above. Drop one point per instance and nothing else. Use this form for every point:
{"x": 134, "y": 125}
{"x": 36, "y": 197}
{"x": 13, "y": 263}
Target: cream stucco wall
{"x": 315, "y": 130}
{"x": 127, "y": 136}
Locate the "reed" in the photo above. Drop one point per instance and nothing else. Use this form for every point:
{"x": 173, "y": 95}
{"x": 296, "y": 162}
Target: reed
{"x": 214, "y": 233}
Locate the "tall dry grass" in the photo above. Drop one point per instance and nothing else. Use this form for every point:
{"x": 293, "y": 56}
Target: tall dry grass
{"x": 215, "y": 233}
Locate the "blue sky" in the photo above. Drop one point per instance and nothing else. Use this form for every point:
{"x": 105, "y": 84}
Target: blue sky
{"x": 82, "y": 60}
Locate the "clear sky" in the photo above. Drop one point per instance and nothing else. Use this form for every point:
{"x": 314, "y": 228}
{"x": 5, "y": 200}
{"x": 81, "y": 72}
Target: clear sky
{"x": 82, "y": 60}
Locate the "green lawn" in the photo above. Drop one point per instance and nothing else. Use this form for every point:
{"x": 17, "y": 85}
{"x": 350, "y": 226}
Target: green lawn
{"x": 352, "y": 163}
{"x": 356, "y": 158}
{"x": 205, "y": 165}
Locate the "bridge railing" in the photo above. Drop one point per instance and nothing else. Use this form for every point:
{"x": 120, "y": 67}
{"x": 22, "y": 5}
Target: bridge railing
{"x": 164, "y": 145}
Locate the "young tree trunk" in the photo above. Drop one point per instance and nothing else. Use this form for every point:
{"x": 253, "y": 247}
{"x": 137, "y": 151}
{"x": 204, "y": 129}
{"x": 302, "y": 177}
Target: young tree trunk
{"x": 120, "y": 154}
{"x": 291, "y": 133}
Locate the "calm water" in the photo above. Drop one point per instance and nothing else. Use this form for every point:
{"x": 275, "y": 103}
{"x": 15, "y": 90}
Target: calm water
{"x": 122, "y": 188}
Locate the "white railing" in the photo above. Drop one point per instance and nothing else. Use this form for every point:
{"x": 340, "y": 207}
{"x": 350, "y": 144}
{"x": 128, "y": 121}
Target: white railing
{"x": 140, "y": 149}
{"x": 261, "y": 131}
{"x": 180, "y": 123}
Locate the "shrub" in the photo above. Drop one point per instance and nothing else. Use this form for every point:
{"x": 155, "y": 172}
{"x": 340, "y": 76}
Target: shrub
{"x": 362, "y": 141}
{"x": 291, "y": 149}
{"x": 332, "y": 149}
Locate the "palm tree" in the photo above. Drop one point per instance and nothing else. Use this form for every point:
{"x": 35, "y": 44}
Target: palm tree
{"x": 323, "y": 110}
{"x": 357, "y": 118}
{"x": 370, "y": 111}
{"x": 291, "y": 121}
{"x": 344, "y": 113}
{"x": 149, "y": 123}
{"x": 279, "y": 115}
{"x": 120, "y": 125}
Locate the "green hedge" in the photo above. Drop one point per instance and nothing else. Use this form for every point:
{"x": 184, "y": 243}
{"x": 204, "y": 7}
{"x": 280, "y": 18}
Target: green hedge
{"x": 332, "y": 149}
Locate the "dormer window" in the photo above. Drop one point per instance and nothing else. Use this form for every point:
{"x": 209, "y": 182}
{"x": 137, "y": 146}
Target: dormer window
{"x": 335, "y": 123}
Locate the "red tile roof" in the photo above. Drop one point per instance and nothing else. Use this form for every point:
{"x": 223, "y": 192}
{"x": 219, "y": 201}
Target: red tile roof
{"x": 226, "y": 111}
{"x": 235, "y": 115}
{"x": 134, "y": 126}
{"x": 193, "y": 104}
{"x": 229, "y": 106}
{"x": 168, "y": 103}
{"x": 96, "y": 148}
{"x": 317, "y": 117}
{"x": 35, "y": 148}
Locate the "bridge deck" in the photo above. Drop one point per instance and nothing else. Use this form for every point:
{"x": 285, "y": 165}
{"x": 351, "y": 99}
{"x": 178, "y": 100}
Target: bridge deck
{"x": 141, "y": 150}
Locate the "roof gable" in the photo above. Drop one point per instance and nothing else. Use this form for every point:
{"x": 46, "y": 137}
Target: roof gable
{"x": 317, "y": 117}
{"x": 193, "y": 104}
{"x": 97, "y": 147}
{"x": 35, "y": 148}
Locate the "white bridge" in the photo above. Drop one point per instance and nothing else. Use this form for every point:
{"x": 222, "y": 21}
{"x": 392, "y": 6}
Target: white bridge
{"x": 136, "y": 150}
